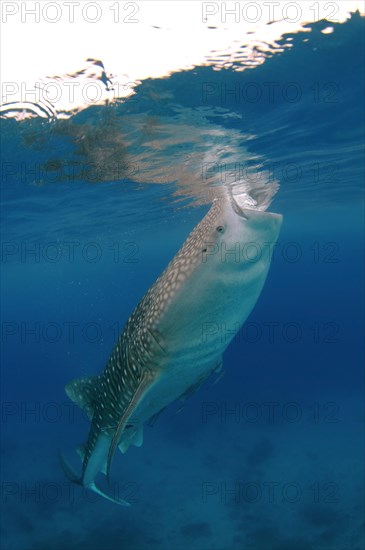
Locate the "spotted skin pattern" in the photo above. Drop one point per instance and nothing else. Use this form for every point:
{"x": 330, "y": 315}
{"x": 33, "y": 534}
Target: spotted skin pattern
{"x": 140, "y": 348}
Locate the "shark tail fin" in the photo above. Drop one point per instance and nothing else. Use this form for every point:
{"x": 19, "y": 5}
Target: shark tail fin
{"x": 72, "y": 476}
{"x": 114, "y": 499}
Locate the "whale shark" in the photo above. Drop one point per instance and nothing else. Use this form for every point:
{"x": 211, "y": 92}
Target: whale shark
{"x": 165, "y": 351}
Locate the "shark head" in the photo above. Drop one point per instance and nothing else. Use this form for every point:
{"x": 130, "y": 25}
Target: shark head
{"x": 239, "y": 234}
{"x": 220, "y": 270}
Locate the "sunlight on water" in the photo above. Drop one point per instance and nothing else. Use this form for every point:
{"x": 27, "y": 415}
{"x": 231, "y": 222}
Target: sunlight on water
{"x": 236, "y": 37}
{"x": 142, "y": 130}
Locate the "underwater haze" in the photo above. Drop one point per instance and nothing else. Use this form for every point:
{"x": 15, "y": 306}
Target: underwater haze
{"x": 270, "y": 456}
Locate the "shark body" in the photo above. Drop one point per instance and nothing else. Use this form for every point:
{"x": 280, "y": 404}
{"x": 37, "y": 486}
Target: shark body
{"x": 164, "y": 352}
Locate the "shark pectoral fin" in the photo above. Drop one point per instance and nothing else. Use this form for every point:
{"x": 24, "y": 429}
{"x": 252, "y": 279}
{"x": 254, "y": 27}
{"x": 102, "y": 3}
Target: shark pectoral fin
{"x": 69, "y": 471}
{"x": 195, "y": 387}
{"x": 83, "y": 392}
{"x": 192, "y": 389}
{"x": 72, "y": 476}
{"x": 145, "y": 382}
{"x": 98, "y": 491}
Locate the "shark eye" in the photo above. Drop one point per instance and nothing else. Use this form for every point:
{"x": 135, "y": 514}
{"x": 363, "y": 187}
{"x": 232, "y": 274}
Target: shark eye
{"x": 220, "y": 228}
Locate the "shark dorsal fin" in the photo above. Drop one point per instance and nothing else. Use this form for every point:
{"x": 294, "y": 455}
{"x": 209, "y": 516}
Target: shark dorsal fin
{"x": 83, "y": 392}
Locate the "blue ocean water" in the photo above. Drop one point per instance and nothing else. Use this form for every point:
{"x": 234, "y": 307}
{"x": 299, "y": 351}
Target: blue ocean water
{"x": 271, "y": 457}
